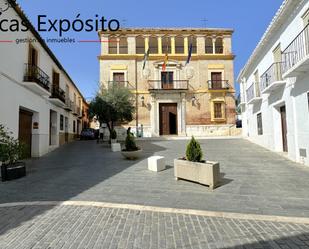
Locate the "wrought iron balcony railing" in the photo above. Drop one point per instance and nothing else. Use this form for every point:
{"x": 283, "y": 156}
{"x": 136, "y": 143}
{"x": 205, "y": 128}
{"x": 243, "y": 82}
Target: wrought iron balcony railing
{"x": 117, "y": 83}
{"x": 218, "y": 85}
{"x": 297, "y": 50}
{"x": 272, "y": 74}
{"x": 168, "y": 85}
{"x": 253, "y": 92}
{"x": 35, "y": 74}
{"x": 58, "y": 93}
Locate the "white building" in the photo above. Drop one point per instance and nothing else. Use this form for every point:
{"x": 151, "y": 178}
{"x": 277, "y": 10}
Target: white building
{"x": 32, "y": 103}
{"x": 275, "y": 84}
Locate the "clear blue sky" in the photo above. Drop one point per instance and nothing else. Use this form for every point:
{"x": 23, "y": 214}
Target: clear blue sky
{"x": 249, "y": 19}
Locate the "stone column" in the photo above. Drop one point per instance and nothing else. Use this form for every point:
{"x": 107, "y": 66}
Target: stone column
{"x": 173, "y": 45}
{"x": 160, "y": 45}
{"x": 183, "y": 114}
{"x": 146, "y": 43}
{"x": 186, "y": 44}
{"x": 214, "y": 45}
{"x": 227, "y": 44}
{"x": 153, "y": 116}
{"x": 200, "y": 40}
{"x": 131, "y": 45}
{"x": 104, "y": 45}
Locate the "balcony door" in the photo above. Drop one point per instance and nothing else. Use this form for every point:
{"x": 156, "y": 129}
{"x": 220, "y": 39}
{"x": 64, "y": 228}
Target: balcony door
{"x": 33, "y": 56}
{"x": 167, "y": 80}
{"x": 216, "y": 80}
{"x": 118, "y": 79}
{"x": 277, "y": 53}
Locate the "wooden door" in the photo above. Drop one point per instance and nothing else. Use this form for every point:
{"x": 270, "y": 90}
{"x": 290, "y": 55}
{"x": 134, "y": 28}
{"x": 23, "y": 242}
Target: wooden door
{"x": 168, "y": 118}
{"x": 167, "y": 80}
{"x": 284, "y": 129}
{"x": 25, "y": 131}
{"x": 216, "y": 80}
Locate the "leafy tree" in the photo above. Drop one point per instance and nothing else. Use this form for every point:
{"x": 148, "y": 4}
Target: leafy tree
{"x": 194, "y": 152}
{"x": 112, "y": 105}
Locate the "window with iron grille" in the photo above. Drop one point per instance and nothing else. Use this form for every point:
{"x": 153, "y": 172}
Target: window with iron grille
{"x": 74, "y": 124}
{"x": 218, "y": 110}
{"x": 260, "y": 124}
{"x": 61, "y": 122}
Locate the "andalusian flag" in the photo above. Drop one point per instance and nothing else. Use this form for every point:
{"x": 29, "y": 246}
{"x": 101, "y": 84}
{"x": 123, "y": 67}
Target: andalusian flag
{"x": 146, "y": 55}
{"x": 189, "y": 55}
{"x": 165, "y": 62}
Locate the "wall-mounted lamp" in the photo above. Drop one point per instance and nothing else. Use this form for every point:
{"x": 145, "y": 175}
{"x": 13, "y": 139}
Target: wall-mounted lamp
{"x": 143, "y": 100}
{"x": 194, "y": 100}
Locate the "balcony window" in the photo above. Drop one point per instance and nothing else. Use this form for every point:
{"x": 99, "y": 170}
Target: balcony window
{"x": 166, "y": 45}
{"x": 219, "y": 46}
{"x": 140, "y": 45}
{"x": 61, "y": 122}
{"x": 123, "y": 45}
{"x": 209, "y": 47}
{"x": 179, "y": 45}
{"x": 119, "y": 79}
{"x": 153, "y": 45}
{"x": 192, "y": 40}
{"x": 112, "y": 45}
{"x": 167, "y": 80}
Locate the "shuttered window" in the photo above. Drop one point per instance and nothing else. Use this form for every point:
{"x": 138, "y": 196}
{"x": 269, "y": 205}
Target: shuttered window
{"x": 218, "y": 110}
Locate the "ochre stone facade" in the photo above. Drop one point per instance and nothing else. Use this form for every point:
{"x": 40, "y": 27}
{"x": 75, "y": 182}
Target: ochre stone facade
{"x": 184, "y": 98}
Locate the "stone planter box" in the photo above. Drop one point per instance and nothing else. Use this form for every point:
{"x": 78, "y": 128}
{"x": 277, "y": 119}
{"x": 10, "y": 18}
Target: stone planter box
{"x": 14, "y": 171}
{"x": 132, "y": 155}
{"x": 113, "y": 141}
{"x": 207, "y": 173}
{"x": 116, "y": 147}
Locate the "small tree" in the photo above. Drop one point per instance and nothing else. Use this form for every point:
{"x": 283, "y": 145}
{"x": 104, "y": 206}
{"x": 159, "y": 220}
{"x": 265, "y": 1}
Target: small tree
{"x": 194, "y": 152}
{"x": 130, "y": 143}
{"x": 113, "y": 105}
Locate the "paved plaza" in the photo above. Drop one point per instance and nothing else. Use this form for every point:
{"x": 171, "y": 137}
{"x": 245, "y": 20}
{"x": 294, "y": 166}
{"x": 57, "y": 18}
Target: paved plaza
{"x": 255, "y": 182}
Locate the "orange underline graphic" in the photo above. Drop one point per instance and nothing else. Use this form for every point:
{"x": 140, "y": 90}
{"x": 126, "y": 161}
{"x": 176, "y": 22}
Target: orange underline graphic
{"x": 5, "y": 41}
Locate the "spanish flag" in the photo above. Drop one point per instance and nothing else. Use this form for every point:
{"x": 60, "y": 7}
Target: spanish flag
{"x": 165, "y": 62}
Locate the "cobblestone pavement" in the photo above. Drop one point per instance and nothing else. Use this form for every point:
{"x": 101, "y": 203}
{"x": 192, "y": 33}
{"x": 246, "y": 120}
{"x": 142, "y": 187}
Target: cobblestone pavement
{"x": 95, "y": 227}
{"x": 255, "y": 180}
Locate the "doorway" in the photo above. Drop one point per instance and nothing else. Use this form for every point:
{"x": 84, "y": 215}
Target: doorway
{"x": 52, "y": 127}
{"x": 284, "y": 128}
{"x": 168, "y": 118}
{"x": 66, "y": 129}
{"x": 25, "y": 131}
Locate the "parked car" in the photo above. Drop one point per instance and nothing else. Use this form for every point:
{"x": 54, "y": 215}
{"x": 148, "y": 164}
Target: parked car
{"x": 88, "y": 134}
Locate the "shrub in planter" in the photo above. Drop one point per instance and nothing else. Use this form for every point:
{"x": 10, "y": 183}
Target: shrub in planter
{"x": 193, "y": 168}
{"x": 11, "y": 151}
{"x": 131, "y": 150}
{"x": 194, "y": 152}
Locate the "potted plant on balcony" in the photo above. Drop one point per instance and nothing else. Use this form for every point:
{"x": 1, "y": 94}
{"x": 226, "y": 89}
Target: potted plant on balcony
{"x": 11, "y": 152}
{"x": 131, "y": 150}
{"x": 194, "y": 168}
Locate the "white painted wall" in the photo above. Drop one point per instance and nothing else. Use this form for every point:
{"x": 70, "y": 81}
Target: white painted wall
{"x": 293, "y": 95}
{"x": 14, "y": 95}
